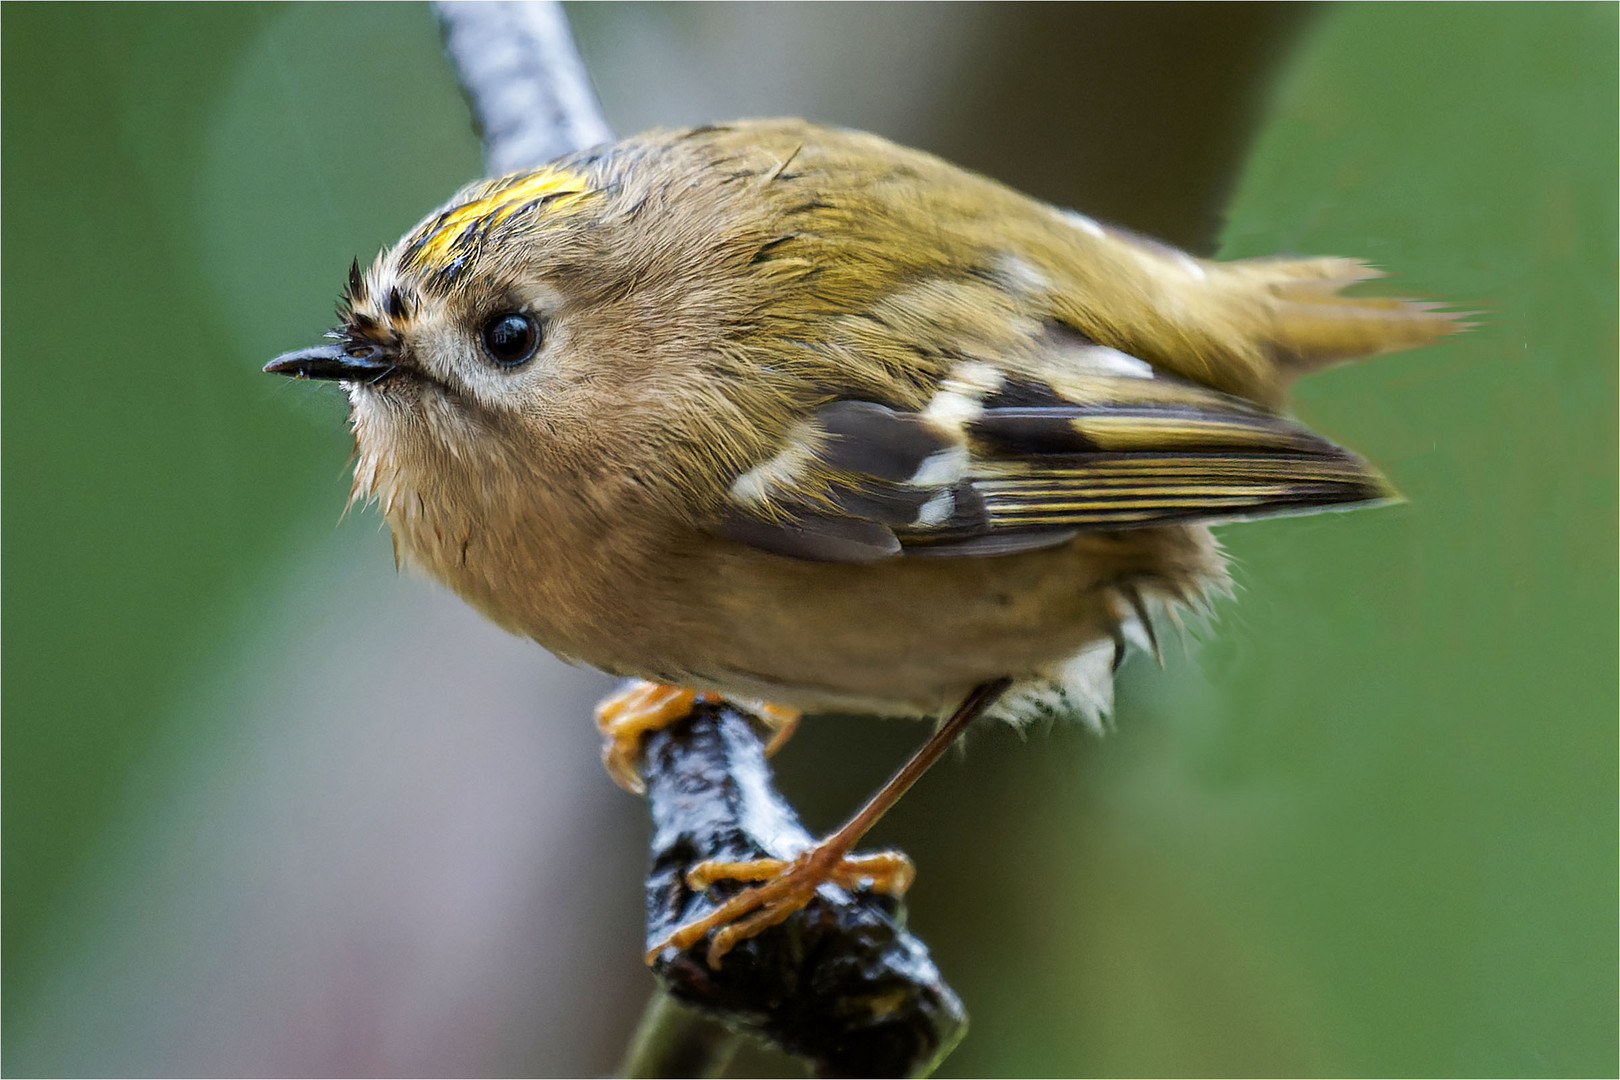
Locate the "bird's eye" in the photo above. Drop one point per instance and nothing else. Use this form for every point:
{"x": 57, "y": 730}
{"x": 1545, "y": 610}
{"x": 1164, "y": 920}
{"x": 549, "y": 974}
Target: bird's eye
{"x": 511, "y": 337}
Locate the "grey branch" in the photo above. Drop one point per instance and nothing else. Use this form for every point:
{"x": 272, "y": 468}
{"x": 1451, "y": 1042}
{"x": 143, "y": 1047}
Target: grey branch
{"x": 529, "y": 93}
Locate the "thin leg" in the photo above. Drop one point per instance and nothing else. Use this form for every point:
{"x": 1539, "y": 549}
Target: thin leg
{"x": 782, "y": 733}
{"x": 979, "y": 699}
{"x": 782, "y": 720}
{"x": 787, "y": 887}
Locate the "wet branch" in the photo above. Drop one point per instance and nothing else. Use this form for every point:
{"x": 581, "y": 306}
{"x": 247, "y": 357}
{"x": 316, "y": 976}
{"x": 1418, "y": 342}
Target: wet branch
{"x": 841, "y": 983}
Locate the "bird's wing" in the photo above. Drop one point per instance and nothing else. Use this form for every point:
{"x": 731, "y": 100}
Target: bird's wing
{"x": 999, "y": 461}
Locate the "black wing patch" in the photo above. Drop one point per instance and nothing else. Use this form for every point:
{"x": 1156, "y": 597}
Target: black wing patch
{"x": 817, "y": 537}
{"x": 876, "y": 441}
{"x": 843, "y": 487}
{"x": 1024, "y": 466}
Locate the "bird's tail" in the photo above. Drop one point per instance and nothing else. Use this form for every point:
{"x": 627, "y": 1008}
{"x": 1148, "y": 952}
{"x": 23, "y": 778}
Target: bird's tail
{"x": 1309, "y": 324}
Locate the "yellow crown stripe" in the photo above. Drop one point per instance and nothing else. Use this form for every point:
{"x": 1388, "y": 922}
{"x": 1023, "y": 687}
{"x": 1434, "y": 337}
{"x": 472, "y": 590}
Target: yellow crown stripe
{"x": 563, "y": 190}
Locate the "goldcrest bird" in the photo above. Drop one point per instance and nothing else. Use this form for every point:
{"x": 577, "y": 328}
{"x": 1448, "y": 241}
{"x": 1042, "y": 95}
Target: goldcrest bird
{"x": 795, "y": 415}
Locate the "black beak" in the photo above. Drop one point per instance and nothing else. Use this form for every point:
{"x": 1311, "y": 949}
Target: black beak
{"x": 331, "y": 362}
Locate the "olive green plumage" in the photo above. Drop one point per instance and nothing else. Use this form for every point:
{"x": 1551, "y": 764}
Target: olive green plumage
{"x": 816, "y": 418}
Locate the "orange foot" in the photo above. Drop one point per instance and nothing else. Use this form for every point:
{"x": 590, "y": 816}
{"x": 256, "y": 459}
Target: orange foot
{"x": 787, "y": 887}
{"x": 644, "y": 707}
{"x": 782, "y": 721}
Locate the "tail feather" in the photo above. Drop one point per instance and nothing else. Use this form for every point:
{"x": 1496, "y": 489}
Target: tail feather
{"x": 1310, "y": 324}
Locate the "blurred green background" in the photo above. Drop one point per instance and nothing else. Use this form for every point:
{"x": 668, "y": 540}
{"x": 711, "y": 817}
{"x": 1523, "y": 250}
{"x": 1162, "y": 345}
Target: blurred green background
{"x": 271, "y": 810}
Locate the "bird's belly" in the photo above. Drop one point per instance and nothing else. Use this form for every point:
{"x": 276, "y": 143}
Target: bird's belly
{"x": 909, "y": 635}
{"x": 912, "y": 635}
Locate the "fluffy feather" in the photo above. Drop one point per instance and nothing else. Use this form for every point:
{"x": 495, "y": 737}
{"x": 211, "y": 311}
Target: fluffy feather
{"x": 783, "y": 362}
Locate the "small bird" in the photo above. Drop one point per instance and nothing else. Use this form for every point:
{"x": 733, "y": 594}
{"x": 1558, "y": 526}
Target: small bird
{"x": 798, "y": 416}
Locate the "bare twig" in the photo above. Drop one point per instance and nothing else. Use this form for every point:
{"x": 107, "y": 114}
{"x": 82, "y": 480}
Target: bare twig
{"x": 524, "y": 80}
{"x": 840, "y": 983}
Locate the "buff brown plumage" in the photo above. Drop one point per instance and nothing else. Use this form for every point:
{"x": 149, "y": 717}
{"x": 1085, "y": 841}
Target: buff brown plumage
{"x": 792, "y": 413}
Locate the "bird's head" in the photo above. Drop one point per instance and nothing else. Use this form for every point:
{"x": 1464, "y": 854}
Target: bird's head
{"x": 549, "y": 325}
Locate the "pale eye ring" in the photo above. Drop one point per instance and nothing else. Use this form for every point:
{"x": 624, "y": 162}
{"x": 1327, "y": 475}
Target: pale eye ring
{"x": 510, "y": 338}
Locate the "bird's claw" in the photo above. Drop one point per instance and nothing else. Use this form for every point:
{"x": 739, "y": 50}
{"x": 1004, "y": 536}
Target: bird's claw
{"x": 643, "y": 707}
{"x": 784, "y": 887}
{"x": 628, "y": 715}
